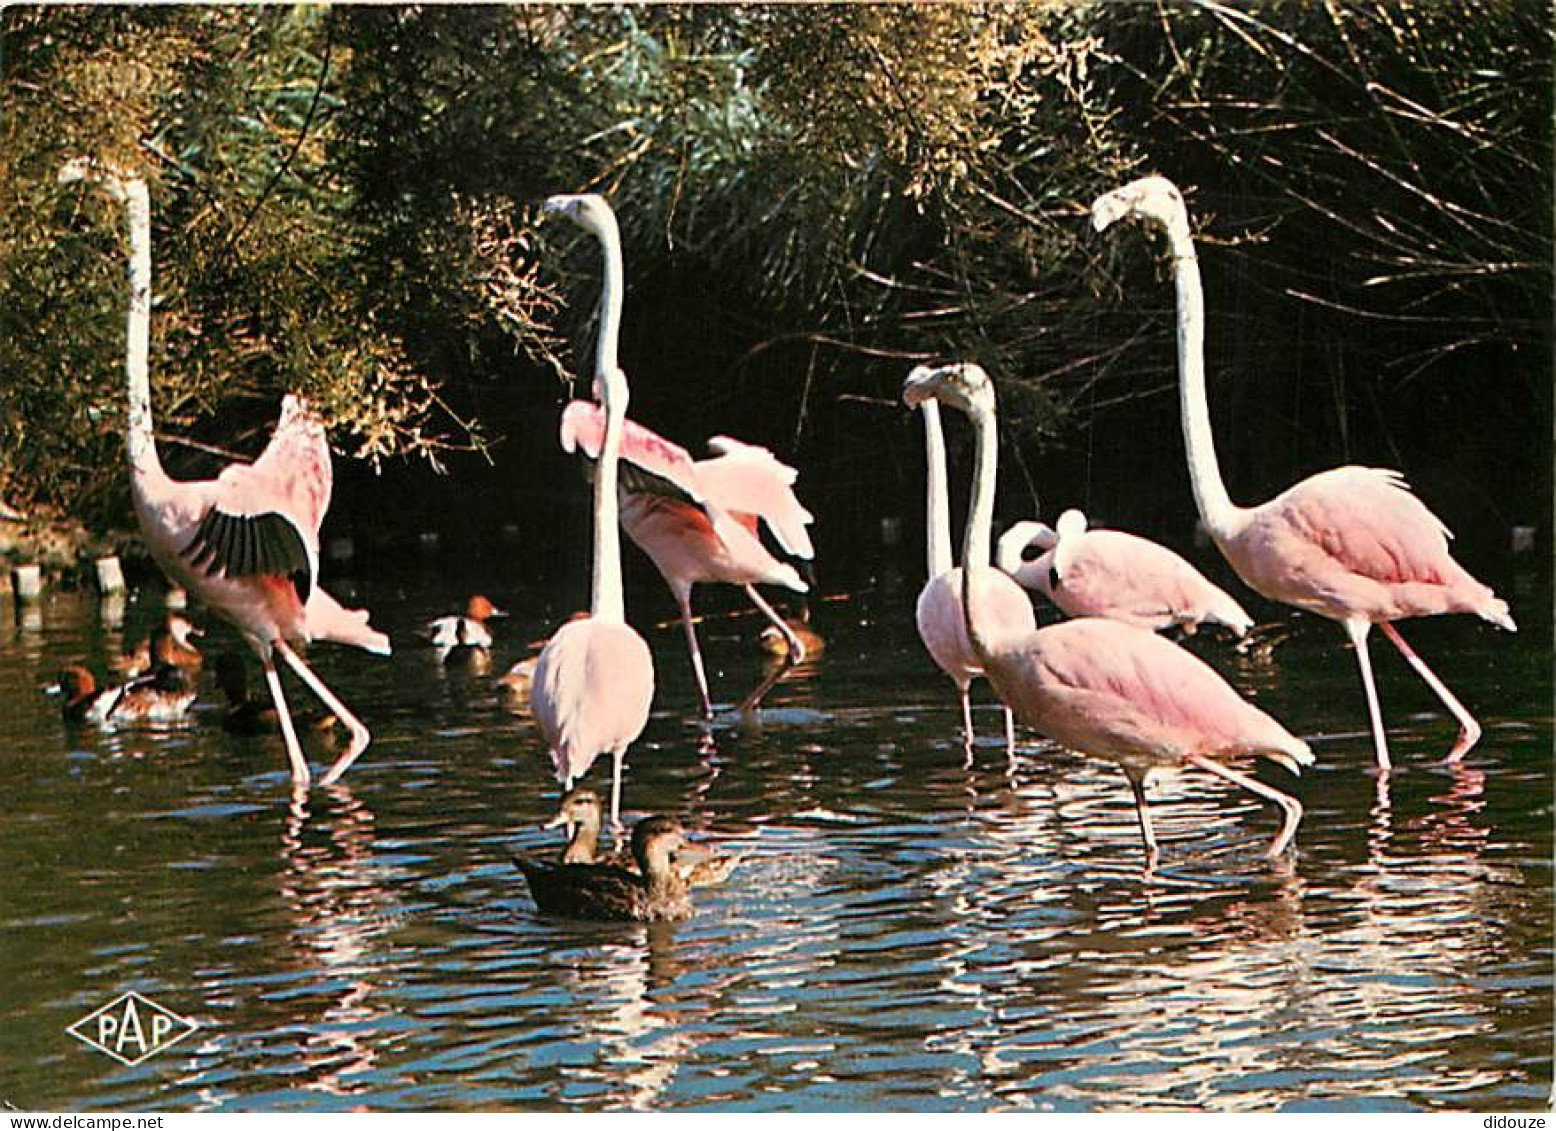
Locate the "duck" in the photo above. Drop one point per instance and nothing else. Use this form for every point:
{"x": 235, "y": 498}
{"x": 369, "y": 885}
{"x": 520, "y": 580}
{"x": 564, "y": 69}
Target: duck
{"x": 582, "y": 812}
{"x": 515, "y": 683}
{"x": 169, "y": 643}
{"x": 163, "y": 696}
{"x": 468, "y": 631}
{"x": 253, "y": 715}
{"x": 653, "y": 894}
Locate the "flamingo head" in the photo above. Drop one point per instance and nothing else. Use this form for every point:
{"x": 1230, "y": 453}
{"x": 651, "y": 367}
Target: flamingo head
{"x": 581, "y": 806}
{"x": 963, "y": 385}
{"x": 118, "y": 183}
{"x": 1010, "y": 553}
{"x": 78, "y": 169}
{"x": 589, "y": 211}
{"x": 1154, "y": 199}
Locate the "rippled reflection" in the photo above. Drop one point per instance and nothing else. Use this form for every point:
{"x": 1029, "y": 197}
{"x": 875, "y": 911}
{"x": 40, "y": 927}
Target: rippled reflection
{"x": 905, "y": 931}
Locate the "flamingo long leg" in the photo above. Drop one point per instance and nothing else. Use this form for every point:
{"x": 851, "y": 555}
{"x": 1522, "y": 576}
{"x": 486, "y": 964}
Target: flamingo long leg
{"x": 685, "y": 601}
{"x": 1010, "y": 733}
{"x": 1289, "y": 804}
{"x": 1469, "y": 729}
{"x": 1143, "y": 812}
{"x": 795, "y": 657}
{"x": 617, "y": 758}
{"x": 294, "y": 751}
{"x": 1357, "y": 630}
{"x": 360, "y": 736}
{"x": 964, "y": 693}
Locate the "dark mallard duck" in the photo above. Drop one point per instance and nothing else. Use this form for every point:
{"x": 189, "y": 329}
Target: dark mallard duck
{"x": 654, "y": 893}
{"x": 582, "y": 809}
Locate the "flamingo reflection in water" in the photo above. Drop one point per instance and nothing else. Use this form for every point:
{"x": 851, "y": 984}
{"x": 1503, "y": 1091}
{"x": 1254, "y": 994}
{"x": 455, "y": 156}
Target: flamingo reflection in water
{"x": 343, "y": 904}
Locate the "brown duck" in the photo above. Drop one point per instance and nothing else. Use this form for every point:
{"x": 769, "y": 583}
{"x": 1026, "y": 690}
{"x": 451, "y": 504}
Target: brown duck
{"x": 163, "y": 696}
{"x": 654, "y": 893}
{"x": 582, "y": 810}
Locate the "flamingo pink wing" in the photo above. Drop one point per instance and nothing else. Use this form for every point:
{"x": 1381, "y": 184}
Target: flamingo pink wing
{"x": 293, "y": 474}
{"x": 1117, "y": 577}
{"x": 1138, "y": 687}
{"x": 263, "y": 518}
{"x": 583, "y": 426}
{"x": 746, "y": 479}
{"x": 1367, "y": 520}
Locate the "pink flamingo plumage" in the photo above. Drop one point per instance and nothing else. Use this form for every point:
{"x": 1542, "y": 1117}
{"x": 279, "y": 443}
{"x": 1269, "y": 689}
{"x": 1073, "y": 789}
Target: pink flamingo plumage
{"x": 1100, "y": 686}
{"x": 247, "y": 542}
{"x": 593, "y": 683}
{"x": 697, "y": 520}
{"x": 1351, "y": 544}
{"x": 938, "y": 613}
{"x": 1113, "y": 574}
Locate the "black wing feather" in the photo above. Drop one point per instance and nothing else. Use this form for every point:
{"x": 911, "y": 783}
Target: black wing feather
{"x": 250, "y": 545}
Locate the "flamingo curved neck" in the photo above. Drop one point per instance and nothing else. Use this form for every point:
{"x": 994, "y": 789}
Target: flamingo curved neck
{"x": 975, "y": 539}
{"x": 980, "y": 512}
{"x": 140, "y": 438}
{"x": 605, "y": 599}
{"x": 1215, "y": 507}
{"x": 605, "y": 361}
{"x": 938, "y": 517}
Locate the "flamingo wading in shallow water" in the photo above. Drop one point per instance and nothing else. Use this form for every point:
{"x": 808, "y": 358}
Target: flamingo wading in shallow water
{"x": 594, "y": 681}
{"x": 1351, "y": 544}
{"x": 1099, "y": 686}
{"x": 1108, "y": 573}
{"x": 697, "y": 520}
{"x": 938, "y": 613}
{"x": 247, "y": 542}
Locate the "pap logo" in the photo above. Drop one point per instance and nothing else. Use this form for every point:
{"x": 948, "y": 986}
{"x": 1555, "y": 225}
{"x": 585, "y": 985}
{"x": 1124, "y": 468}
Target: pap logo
{"x": 131, "y": 1028}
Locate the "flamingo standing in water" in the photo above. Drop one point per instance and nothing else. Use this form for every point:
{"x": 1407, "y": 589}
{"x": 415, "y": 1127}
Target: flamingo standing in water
{"x": 1108, "y": 573}
{"x": 697, "y": 520}
{"x": 1104, "y": 687}
{"x": 247, "y": 542}
{"x": 939, "y": 609}
{"x": 594, "y": 680}
{"x": 1351, "y": 543}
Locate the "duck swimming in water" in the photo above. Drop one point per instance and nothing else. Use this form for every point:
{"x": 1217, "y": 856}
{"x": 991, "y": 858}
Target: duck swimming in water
{"x": 468, "y": 631}
{"x": 171, "y": 642}
{"x": 164, "y": 696}
{"x": 583, "y": 812}
{"x": 655, "y": 893}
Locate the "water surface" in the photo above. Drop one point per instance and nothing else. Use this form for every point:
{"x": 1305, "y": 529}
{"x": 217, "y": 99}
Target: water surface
{"x": 905, "y": 933}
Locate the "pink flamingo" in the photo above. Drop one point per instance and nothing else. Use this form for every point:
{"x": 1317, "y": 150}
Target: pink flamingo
{"x": 1351, "y": 544}
{"x": 1108, "y": 573}
{"x": 697, "y": 520}
{"x": 594, "y": 680}
{"x": 938, "y": 613}
{"x": 1104, "y": 687}
{"x": 247, "y": 542}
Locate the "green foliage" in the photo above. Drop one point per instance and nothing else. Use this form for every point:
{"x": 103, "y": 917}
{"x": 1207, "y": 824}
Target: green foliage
{"x": 258, "y": 276}
{"x": 342, "y": 197}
